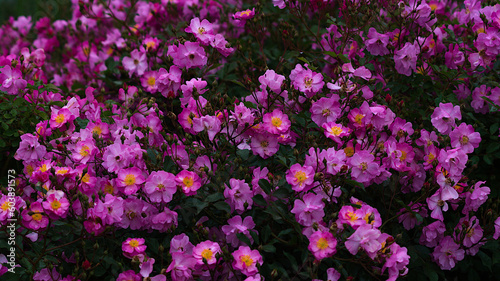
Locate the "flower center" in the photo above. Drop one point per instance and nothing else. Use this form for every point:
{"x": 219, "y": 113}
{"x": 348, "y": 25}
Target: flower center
{"x": 308, "y": 81}
{"x": 276, "y": 121}
{"x": 55, "y": 204}
{"x": 336, "y": 131}
{"x": 300, "y": 177}
{"x": 60, "y": 118}
{"x": 264, "y": 144}
{"x": 133, "y": 243}
{"x": 129, "y": 180}
{"x": 36, "y": 217}
{"x": 352, "y": 217}
{"x": 358, "y": 118}
{"x": 187, "y": 181}
{"x": 201, "y": 30}
{"x": 349, "y": 151}
{"x": 86, "y": 178}
{"x": 5, "y": 206}
{"x": 464, "y": 140}
{"x": 326, "y": 112}
{"x": 364, "y": 166}
{"x": 322, "y": 243}
{"x": 403, "y": 155}
{"x": 207, "y": 254}
{"x": 84, "y": 151}
{"x": 430, "y": 157}
{"x": 247, "y": 260}
{"x": 160, "y": 186}
{"x": 151, "y": 81}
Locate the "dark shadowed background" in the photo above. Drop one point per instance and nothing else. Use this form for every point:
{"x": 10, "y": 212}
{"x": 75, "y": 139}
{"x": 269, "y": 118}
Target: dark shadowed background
{"x": 54, "y": 9}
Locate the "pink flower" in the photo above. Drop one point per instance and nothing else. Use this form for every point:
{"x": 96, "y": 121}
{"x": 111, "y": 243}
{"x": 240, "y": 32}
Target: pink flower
{"x": 364, "y": 237}
{"x": 37, "y": 220}
{"x": 470, "y": 230}
{"x": 409, "y": 217}
{"x": 276, "y": 122}
{"x": 47, "y": 275}
{"x": 332, "y": 274}
{"x": 272, "y": 80}
{"x": 129, "y": 275}
{"x": 160, "y": 186}
{"x": 406, "y": 59}
{"x": 188, "y": 181}
{"x": 264, "y": 145}
{"x": 133, "y": 247}
{"x": 148, "y": 81}
{"x": 239, "y": 196}
{"x": 11, "y": 80}
{"x": 447, "y": 253}
{"x": 443, "y": 117}
{"x": 206, "y": 252}
{"x": 188, "y": 55}
{"x": 363, "y": 167}
{"x": 376, "y": 43}
{"x": 306, "y": 81}
{"x": 130, "y": 179}
{"x": 476, "y": 197}
{"x": 454, "y": 57}
{"x": 60, "y": 117}
{"x": 299, "y": 177}
{"x": 335, "y": 160}
{"x": 432, "y": 234}
{"x": 203, "y": 31}
{"x": 309, "y": 210}
{"x": 464, "y": 136}
{"x": 237, "y": 225}
{"x": 325, "y": 110}
{"x": 56, "y": 204}
{"x": 220, "y": 44}
{"x": 437, "y": 205}
{"x": 322, "y": 244}
{"x": 83, "y": 151}
{"x": 182, "y": 267}
{"x": 244, "y": 15}
{"x": 180, "y": 243}
{"x": 137, "y": 63}
{"x": 208, "y": 123}
{"x": 243, "y": 115}
{"x": 246, "y": 260}
{"x": 335, "y": 131}
{"x": 497, "y": 229}
{"x": 30, "y": 149}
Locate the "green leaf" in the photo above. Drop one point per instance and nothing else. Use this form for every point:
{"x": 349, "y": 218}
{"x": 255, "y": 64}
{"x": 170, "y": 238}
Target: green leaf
{"x": 223, "y": 206}
{"x": 243, "y": 239}
{"x": 265, "y": 233}
{"x": 214, "y": 197}
{"x": 492, "y": 147}
{"x": 259, "y": 200}
{"x": 292, "y": 260}
{"x": 269, "y": 248}
{"x": 82, "y": 123}
{"x": 485, "y": 259}
{"x": 265, "y": 185}
{"x": 243, "y": 153}
{"x": 334, "y": 55}
{"x": 238, "y": 83}
{"x": 355, "y": 184}
{"x": 494, "y": 129}
{"x": 282, "y": 193}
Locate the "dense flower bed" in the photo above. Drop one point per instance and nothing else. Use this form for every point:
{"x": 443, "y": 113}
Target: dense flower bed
{"x": 245, "y": 140}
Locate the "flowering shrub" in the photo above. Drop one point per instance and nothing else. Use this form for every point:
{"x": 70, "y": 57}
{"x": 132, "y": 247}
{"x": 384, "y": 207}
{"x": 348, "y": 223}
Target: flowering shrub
{"x": 253, "y": 140}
